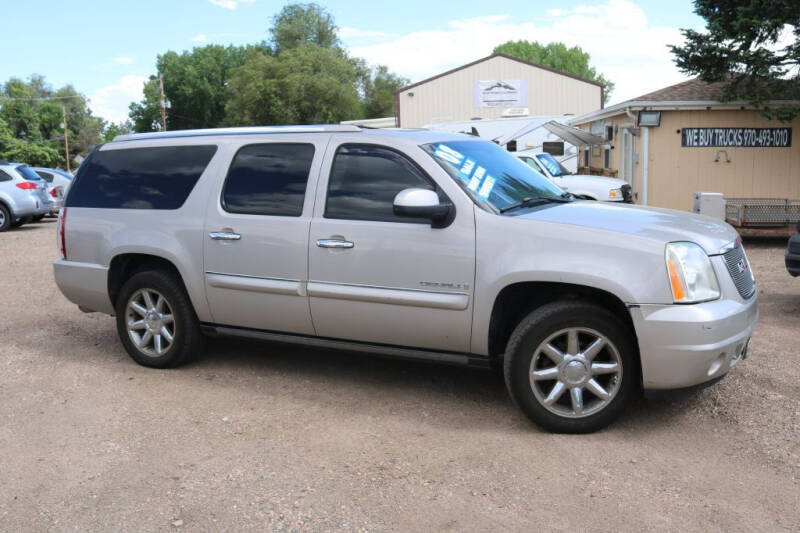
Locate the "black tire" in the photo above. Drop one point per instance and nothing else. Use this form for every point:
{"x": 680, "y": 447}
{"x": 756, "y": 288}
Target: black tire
{"x": 547, "y": 321}
{"x": 37, "y": 218}
{"x": 20, "y": 222}
{"x": 187, "y": 341}
{"x": 5, "y": 218}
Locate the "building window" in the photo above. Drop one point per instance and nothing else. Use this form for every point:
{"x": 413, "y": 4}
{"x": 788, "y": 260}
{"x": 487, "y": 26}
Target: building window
{"x": 586, "y": 157}
{"x": 607, "y": 158}
{"x": 609, "y": 133}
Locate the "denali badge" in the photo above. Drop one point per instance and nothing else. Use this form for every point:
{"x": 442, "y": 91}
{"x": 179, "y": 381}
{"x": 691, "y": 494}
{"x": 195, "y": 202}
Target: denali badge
{"x": 445, "y": 285}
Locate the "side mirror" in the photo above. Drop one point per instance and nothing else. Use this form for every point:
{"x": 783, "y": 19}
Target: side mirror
{"x": 422, "y": 203}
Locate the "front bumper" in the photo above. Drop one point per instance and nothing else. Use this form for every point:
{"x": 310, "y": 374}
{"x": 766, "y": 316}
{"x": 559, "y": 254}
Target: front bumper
{"x": 686, "y": 345}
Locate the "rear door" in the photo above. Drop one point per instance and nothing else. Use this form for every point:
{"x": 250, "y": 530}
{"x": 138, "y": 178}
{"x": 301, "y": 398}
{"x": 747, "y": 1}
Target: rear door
{"x": 256, "y": 235}
{"x": 376, "y": 277}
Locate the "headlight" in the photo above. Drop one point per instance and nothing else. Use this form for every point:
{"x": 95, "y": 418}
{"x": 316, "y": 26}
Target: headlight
{"x": 615, "y": 193}
{"x": 691, "y": 275}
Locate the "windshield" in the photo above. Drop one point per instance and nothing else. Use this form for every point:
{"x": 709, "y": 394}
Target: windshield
{"x": 28, "y": 173}
{"x": 490, "y": 175}
{"x": 553, "y": 167}
{"x": 534, "y": 164}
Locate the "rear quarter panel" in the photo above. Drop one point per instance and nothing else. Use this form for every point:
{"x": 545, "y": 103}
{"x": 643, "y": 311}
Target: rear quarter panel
{"x": 97, "y": 235}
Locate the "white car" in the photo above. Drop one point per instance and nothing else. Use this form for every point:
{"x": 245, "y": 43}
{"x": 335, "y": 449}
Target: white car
{"x": 586, "y": 187}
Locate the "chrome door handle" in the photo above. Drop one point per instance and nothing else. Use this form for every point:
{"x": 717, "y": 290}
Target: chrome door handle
{"x": 334, "y": 243}
{"x": 224, "y": 236}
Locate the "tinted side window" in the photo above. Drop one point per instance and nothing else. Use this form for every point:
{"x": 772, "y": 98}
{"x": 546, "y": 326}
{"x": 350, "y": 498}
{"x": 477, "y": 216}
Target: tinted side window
{"x": 364, "y": 181}
{"x": 46, "y": 176}
{"x": 139, "y": 178}
{"x": 4, "y": 176}
{"x": 268, "y": 179}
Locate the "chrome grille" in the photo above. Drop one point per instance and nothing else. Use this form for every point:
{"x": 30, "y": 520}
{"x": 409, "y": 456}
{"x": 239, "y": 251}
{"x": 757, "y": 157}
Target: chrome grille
{"x": 739, "y": 269}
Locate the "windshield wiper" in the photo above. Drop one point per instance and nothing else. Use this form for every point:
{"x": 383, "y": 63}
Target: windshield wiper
{"x": 531, "y": 201}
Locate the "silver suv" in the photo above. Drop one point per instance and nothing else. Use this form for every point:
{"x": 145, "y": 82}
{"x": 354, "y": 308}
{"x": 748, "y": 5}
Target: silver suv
{"x": 23, "y": 195}
{"x": 404, "y": 243}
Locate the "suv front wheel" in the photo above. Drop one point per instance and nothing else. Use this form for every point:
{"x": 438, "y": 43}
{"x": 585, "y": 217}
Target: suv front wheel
{"x": 156, "y": 321}
{"x": 571, "y": 366}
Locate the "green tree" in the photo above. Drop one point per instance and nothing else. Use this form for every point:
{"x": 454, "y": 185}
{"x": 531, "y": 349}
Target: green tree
{"x": 379, "y": 87}
{"x": 33, "y": 115}
{"x": 557, "y": 56}
{"x": 298, "y": 24}
{"x": 307, "y": 84}
{"x": 112, "y": 129}
{"x": 31, "y": 152}
{"x": 741, "y": 48}
{"x": 195, "y": 85}
{"x": 145, "y": 115}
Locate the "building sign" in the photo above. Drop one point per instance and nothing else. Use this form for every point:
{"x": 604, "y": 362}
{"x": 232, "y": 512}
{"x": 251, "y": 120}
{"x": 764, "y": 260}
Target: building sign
{"x": 736, "y": 137}
{"x": 500, "y": 93}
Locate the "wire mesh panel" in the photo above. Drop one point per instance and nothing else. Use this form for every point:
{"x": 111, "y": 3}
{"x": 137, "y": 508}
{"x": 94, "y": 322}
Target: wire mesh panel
{"x": 764, "y": 212}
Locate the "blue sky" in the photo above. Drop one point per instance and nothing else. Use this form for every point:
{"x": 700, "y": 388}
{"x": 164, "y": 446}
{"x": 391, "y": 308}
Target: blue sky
{"x": 107, "y": 48}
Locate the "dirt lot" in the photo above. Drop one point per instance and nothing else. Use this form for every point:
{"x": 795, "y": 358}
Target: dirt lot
{"x": 257, "y": 436}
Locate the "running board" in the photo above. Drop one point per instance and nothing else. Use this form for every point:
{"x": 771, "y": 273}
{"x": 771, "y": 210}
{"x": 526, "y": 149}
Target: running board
{"x": 452, "y": 358}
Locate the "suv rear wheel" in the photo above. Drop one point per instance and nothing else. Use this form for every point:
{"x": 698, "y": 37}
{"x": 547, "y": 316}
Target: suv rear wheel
{"x": 156, "y": 321}
{"x": 571, "y": 366}
{"x": 5, "y": 218}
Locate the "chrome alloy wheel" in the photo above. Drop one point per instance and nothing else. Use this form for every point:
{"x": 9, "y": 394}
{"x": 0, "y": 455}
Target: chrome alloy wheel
{"x": 576, "y": 372}
{"x": 151, "y": 325}
{"x": 2, "y": 218}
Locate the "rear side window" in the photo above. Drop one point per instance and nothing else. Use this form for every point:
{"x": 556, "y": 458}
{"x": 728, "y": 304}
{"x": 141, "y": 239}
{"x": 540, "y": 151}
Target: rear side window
{"x": 46, "y": 176}
{"x": 364, "y": 181}
{"x": 28, "y": 173}
{"x": 140, "y": 178}
{"x": 5, "y": 176}
{"x": 268, "y": 179}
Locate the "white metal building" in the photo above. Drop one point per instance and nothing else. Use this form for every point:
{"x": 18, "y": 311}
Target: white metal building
{"x": 495, "y": 86}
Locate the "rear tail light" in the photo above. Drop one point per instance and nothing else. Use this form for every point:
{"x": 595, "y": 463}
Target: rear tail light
{"x": 27, "y": 186}
{"x": 61, "y": 230}
{"x": 54, "y": 193}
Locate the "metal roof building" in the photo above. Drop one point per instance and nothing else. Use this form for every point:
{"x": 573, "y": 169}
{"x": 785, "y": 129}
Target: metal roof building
{"x": 493, "y": 87}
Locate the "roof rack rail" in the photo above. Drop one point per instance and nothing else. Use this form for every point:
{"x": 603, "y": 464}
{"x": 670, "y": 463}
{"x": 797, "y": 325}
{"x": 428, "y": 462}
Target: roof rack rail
{"x": 254, "y": 130}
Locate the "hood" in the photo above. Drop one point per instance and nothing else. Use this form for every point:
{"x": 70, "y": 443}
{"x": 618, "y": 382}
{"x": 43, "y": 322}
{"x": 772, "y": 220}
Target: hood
{"x": 665, "y": 225}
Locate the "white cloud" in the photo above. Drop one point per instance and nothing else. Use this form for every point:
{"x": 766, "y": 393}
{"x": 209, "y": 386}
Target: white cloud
{"x": 123, "y": 60}
{"x": 199, "y": 38}
{"x": 111, "y": 102}
{"x": 351, "y": 34}
{"x": 230, "y": 4}
{"x": 624, "y": 46}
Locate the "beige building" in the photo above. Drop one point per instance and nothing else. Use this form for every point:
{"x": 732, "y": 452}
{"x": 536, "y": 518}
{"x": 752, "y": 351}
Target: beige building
{"x": 681, "y": 139}
{"x": 493, "y": 87}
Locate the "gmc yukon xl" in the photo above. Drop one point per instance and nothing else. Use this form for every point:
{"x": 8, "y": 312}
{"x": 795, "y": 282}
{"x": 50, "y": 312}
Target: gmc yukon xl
{"x": 404, "y": 243}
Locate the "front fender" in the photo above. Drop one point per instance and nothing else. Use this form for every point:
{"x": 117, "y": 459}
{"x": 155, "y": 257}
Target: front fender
{"x": 511, "y": 250}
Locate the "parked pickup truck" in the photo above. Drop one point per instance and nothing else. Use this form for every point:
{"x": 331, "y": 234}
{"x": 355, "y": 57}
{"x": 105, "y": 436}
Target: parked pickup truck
{"x": 584, "y": 187}
{"x": 793, "y": 254}
{"x": 415, "y": 244}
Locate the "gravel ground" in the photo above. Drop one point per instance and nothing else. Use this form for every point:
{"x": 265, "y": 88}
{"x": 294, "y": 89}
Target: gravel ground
{"x": 259, "y": 436}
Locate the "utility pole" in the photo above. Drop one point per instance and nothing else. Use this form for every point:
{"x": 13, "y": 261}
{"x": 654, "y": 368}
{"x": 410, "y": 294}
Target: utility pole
{"x": 66, "y": 137}
{"x": 163, "y": 103}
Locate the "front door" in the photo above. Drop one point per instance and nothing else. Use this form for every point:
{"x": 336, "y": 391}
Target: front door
{"x": 376, "y": 277}
{"x": 256, "y": 236}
